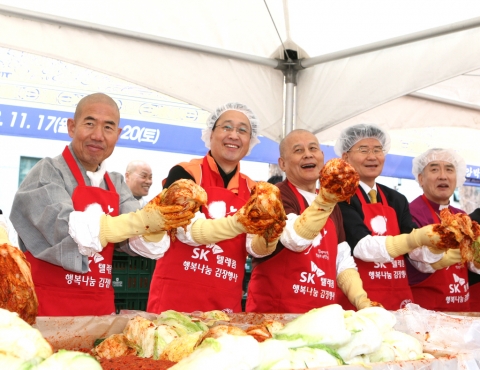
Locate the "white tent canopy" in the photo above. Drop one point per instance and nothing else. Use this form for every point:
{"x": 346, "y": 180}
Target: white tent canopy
{"x": 352, "y": 55}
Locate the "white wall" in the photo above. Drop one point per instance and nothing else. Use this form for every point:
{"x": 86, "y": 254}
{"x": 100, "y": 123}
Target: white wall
{"x": 12, "y": 148}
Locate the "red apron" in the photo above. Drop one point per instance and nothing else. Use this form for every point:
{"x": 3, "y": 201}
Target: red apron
{"x": 65, "y": 293}
{"x": 474, "y": 300}
{"x": 385, "y": 283}
{"x": 297, "y": 282}
{"x": 446, "y": 289}
{"x": 208, "y": 277}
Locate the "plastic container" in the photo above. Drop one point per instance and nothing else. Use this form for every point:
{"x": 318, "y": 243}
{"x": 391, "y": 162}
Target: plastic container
{"x": 131, "y": 277}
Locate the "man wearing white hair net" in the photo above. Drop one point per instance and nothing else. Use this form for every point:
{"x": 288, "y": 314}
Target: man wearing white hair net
{"x": 377, "y": 221}
{"x": 203, "y": 268}
{"x": 443, "y": 284}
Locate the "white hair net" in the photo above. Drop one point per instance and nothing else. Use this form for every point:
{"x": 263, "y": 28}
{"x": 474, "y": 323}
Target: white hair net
{"x": 353, "y": 134}
{"x": 438, "y": 154}
{"x": 242, "y": 108}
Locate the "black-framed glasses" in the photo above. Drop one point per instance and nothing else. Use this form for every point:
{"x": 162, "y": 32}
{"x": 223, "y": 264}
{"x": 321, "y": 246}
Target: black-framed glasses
{"x": 378, "y": 152}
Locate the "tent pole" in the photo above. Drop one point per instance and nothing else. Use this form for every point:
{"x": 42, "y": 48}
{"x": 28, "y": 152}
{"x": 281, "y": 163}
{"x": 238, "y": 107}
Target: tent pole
{"x": 401, "y": 40}
{"x": 439, "y": 99}
{"x": 42, "y": 17}
{"x": 290, "y": 82}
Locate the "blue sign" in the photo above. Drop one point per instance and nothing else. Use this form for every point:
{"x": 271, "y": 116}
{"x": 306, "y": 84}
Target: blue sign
{"x": 50, "y": 124}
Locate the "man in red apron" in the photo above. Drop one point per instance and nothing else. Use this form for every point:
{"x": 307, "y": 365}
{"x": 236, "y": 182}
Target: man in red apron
{"x": 377, "y": 221}
{"x": 203, "y": 268}
{"x": 312, "y": 256}
{"x": 66, "y": 215}
{"x": 474, "y": 278}
{"x": 441, "y": 285}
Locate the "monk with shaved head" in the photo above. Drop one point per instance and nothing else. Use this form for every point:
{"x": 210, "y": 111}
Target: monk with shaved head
{"x": 70, "y": 211}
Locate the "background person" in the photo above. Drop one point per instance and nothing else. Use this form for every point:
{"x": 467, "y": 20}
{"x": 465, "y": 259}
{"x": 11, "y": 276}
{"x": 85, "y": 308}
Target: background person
{"x": 204, "y": 267}
{"x": 438, "y": 172}
{"x": 378, "y": 223}
{"x": 312, "y": 256}
{"x": 138, "y": 177}
{"x": 66, "y": 213}
{"x": 473, "y": 277}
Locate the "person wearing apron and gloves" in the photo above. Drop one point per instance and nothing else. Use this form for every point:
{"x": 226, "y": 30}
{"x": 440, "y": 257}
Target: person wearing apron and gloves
{"x": 442, "y": 285}
{"x": 474, "y": 278}
{"x": 312, "y": 256}
{"x": 69, "y": 211}
{"x": 377, "y": 221}
{"x": 204, "y": 266}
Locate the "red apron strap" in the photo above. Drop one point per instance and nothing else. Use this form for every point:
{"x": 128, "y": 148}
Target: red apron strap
{"x": 436, "y": 219}
{"x": 67, "y": 155}
{"x": 300, "y": 199}
{"x": 382, "y": 198}
{"x": 109, "y": 182}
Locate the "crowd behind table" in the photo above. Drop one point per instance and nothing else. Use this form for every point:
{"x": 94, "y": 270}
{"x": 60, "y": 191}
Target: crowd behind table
{"x": 361, "y": 249}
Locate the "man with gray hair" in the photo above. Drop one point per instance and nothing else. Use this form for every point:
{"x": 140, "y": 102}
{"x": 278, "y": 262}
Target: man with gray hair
{"x": 377, "y": 220}
{"x": 203, "y": 267}
{"x": 138, "y": 177}
{"x": 443, "y": 284}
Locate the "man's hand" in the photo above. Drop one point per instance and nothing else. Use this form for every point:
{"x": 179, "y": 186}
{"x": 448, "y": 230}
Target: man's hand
{"x": 436, "y": 237}
{"x": 263, "y": 248}
{"x": 451, "y": 257}
{"x": 338, "y": 181}
{"x": 351, "y": 285}
{"x": 263, "y": 214}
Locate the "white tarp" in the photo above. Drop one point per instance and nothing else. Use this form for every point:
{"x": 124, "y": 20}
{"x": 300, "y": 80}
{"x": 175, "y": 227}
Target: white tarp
{"x": 127, "y": 39}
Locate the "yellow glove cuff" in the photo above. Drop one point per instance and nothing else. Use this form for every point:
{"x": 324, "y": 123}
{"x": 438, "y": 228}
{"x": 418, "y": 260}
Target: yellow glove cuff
{"x": 214, "y": 230}
{"x": 4, "y": 236}
{"x": 451, "y": 257}
{"x": 154, "y": 237}
{"x": 350, "y": 283}
{"x": 314, "y": 218}
{"x": 261, "y": 248}
{"x": 119, "y": 228}
{"x": 398, "y": 245}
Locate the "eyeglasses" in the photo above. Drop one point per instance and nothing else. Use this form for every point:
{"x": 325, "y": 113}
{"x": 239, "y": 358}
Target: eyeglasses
{"x": 378, "y": 152}
{"x": 240, "y": 130}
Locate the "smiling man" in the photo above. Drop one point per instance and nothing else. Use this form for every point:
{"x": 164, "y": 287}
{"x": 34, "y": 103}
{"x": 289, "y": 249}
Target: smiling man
{"x": 312, "y": 258}
{"x": 138, "y": 177}
{"x": 377, "y": 220}
{"x": 69, "y": 211}
{"x": 438, "y": 172}
{"x": 203, "y": 268}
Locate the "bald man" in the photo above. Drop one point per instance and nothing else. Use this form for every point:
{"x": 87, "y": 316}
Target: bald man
{"x": 138, "y": 177}
{"x": 69, "y": 211}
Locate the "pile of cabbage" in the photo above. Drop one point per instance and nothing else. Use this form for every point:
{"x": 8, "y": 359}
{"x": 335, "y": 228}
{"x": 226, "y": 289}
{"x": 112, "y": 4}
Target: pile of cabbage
{"x": 23, "y": 348}
{"x": 327, "y": 336}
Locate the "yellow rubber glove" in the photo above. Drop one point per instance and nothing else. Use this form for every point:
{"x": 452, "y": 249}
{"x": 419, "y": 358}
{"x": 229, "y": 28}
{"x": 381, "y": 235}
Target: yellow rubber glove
{"x": 401, "y": 244}
{"x": 4, "y": 236}
{"x": 451, "y": 257}
{"x": 351, "y": 285}
{"x": 144, "y": 221}
{"x": 314, "y": 218}
{"x": 260, "y": 246}
{"x": 209, "y": 231}
{"x": 154, "y": 237}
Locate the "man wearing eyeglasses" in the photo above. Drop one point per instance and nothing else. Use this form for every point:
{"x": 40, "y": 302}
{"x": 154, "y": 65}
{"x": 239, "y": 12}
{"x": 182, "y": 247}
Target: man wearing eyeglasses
{"x": 138, "y": 177}
{"x": 377, "y": 220}
{"x": 203, "y": 268}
